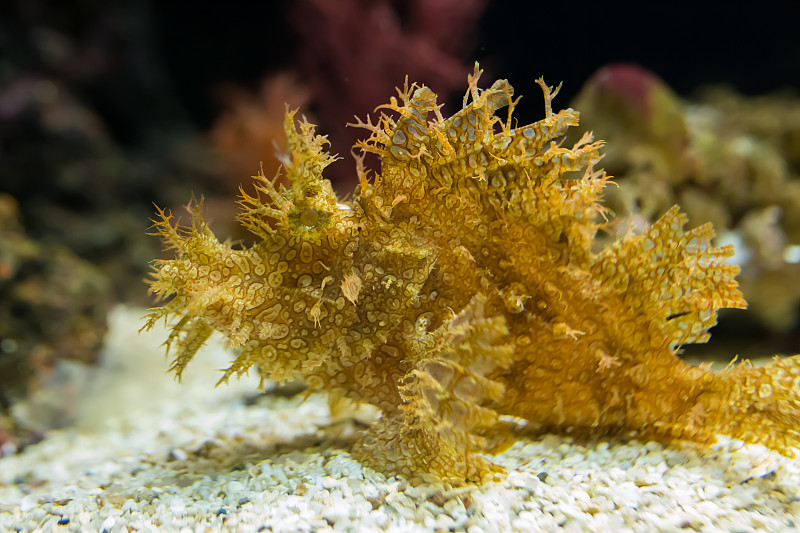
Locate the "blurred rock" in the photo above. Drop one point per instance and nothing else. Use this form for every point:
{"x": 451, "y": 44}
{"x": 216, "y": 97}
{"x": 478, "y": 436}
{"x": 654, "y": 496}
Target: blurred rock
{"x": 53, "y": 309}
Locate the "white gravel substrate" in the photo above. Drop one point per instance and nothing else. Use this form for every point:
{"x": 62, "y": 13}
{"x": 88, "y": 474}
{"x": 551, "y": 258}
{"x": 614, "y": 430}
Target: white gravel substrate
{"x": 148, "y": 454}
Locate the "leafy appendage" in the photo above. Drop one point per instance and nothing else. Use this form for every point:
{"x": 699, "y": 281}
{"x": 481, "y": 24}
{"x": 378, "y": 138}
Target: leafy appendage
{"x": 443, "y": 404}
{"x": 187, "y": 337}
{"x": 309, "y": 206}
{"x": 677, "y": 279}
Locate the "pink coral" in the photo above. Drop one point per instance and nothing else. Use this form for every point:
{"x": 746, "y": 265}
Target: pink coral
{"x": 355, "y": 52}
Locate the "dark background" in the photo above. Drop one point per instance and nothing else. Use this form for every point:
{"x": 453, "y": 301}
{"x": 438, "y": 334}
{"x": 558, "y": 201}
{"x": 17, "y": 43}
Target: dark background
{"x": 148, "y": 68}
{"x": 754, "y": 46}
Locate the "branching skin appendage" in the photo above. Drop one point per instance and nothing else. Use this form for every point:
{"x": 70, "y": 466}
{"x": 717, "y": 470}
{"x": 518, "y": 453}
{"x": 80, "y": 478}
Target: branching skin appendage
{"x": 460, "y": 285}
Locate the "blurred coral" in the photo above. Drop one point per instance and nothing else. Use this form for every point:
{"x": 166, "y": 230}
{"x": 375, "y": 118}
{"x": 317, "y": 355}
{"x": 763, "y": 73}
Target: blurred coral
{"x": 249, "y": 131}
{"x": 90, "y": 133}
{"x": 355, "y": 52}
{"x": 351, "y": 54}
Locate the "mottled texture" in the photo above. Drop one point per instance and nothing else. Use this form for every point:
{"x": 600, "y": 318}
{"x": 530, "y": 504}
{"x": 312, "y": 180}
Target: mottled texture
{"x": 460, "y": 285}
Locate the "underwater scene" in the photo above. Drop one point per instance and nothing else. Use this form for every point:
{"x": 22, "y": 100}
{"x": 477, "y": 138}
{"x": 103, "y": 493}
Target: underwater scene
{"x": 318, "y": 266}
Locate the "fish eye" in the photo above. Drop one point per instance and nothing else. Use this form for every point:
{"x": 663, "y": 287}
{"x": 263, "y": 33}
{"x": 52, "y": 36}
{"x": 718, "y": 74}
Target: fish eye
{"x": 309, "y": 217}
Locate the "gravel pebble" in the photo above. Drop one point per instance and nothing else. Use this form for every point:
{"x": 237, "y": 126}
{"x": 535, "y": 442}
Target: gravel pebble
{"x": 153, "y": 455}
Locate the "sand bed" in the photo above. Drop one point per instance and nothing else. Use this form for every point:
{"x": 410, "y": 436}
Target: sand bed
{"x": 149, "y": 454}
